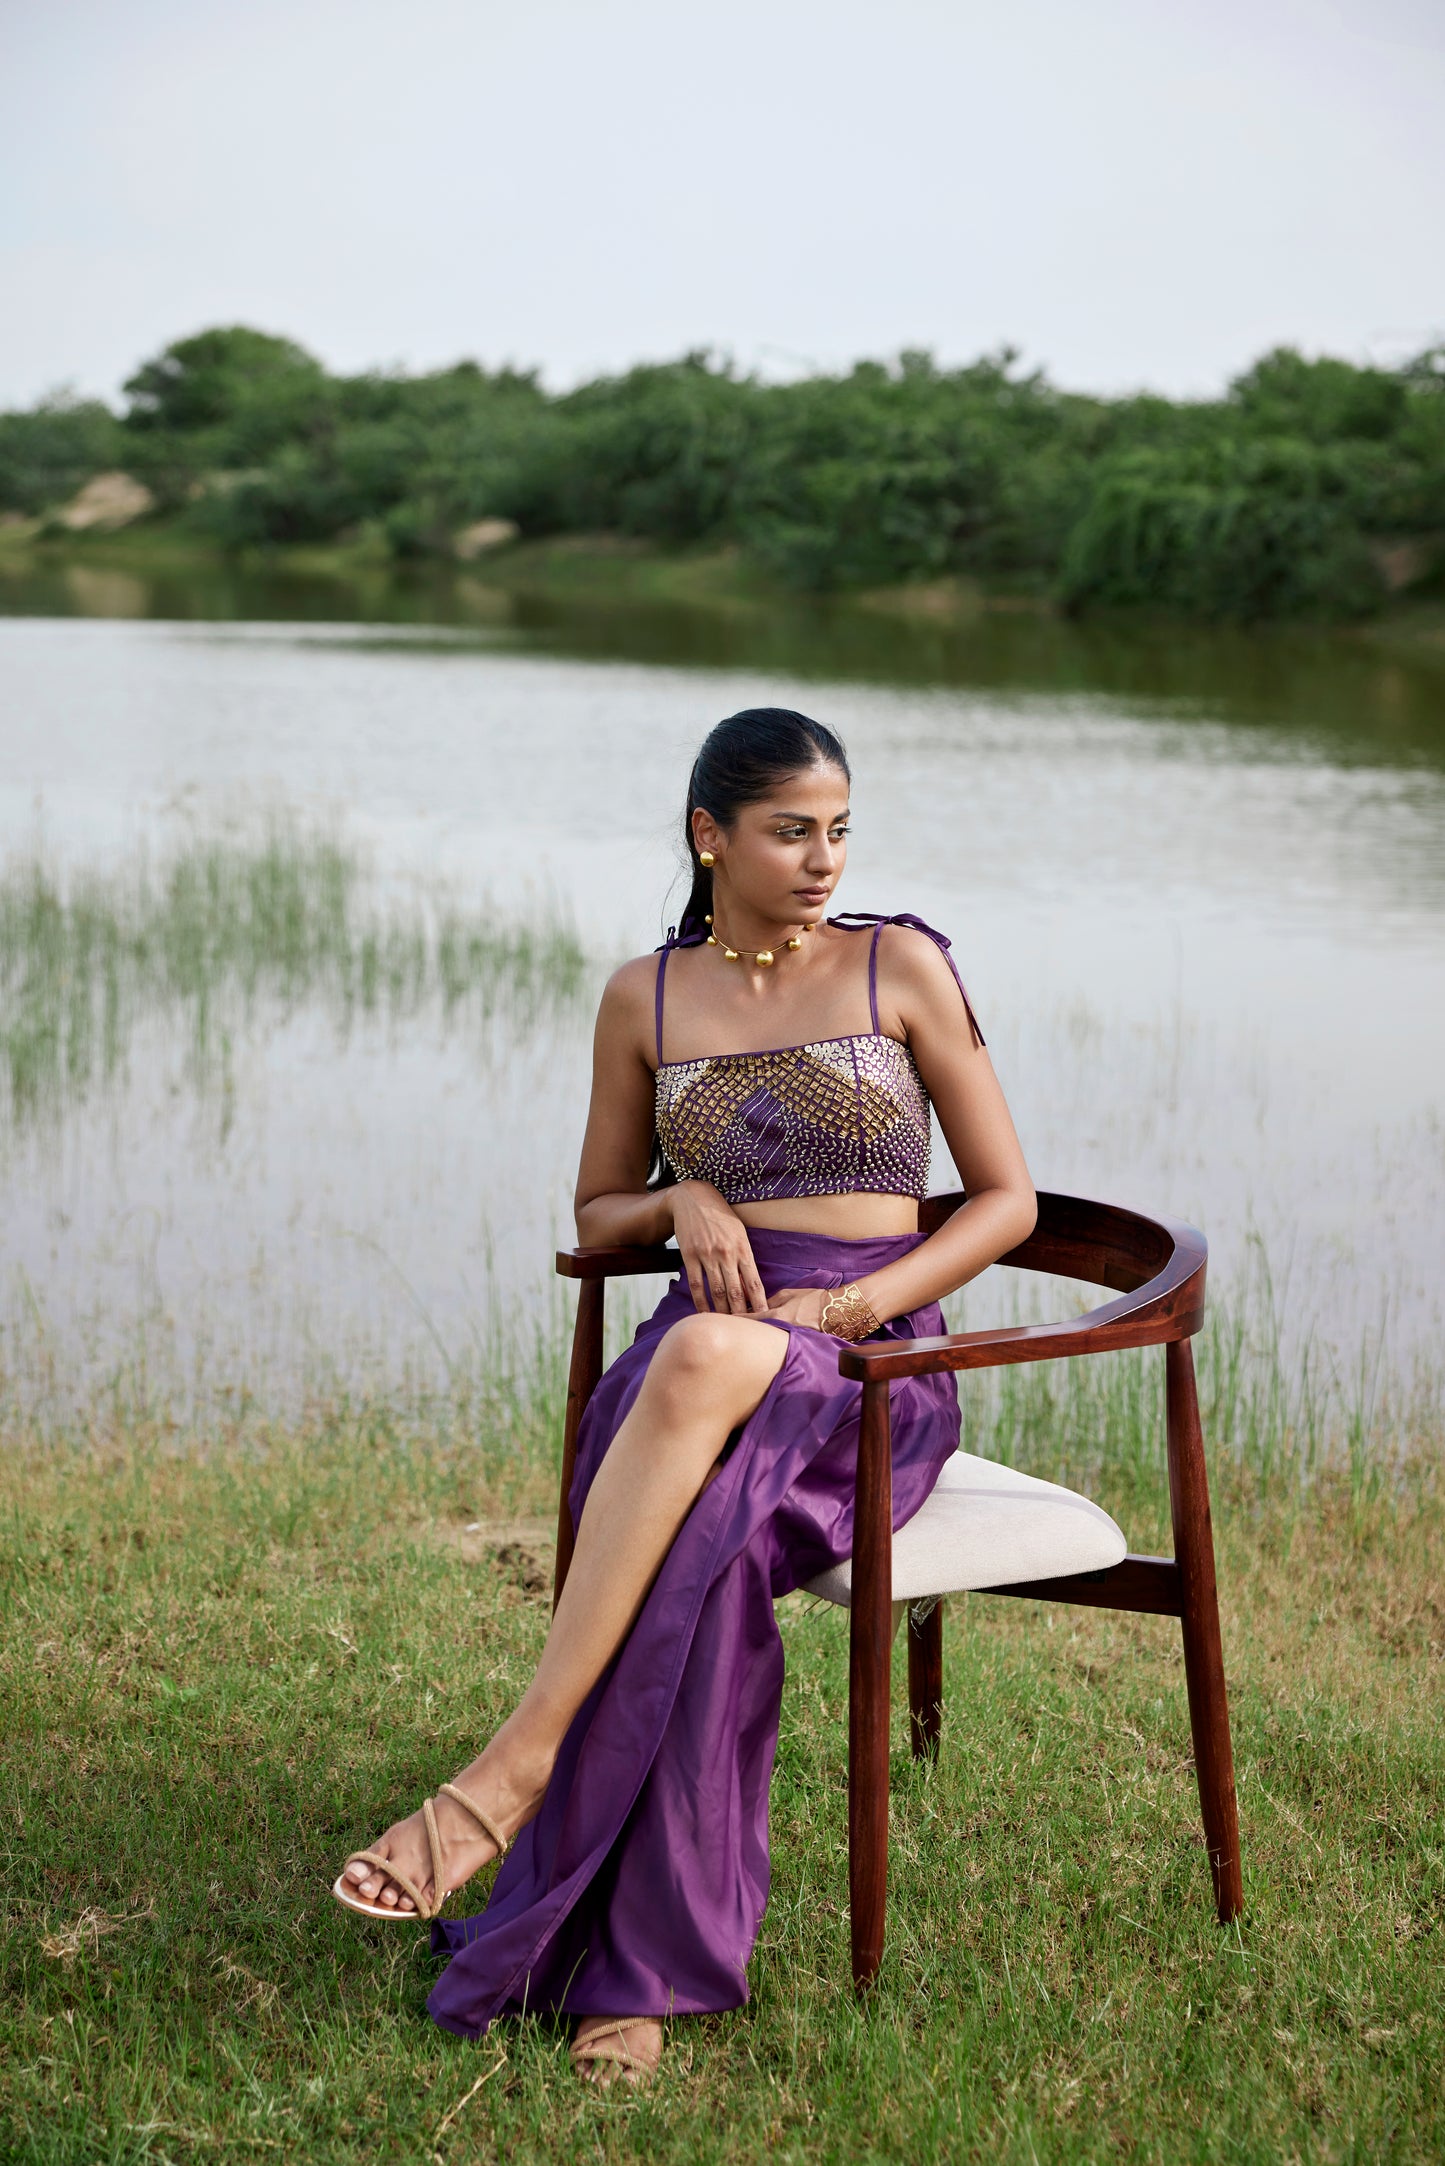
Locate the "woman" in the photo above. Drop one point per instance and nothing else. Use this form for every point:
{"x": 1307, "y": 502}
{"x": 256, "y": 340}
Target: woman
{"x": 627, "y": 1792}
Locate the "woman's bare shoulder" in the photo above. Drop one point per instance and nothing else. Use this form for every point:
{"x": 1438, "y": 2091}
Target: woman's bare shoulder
{"x": 916, "y": 980}
{"x": 627, "y": 1004}
{"x": 636, "y": 976}
{"x": 912, "y": 960}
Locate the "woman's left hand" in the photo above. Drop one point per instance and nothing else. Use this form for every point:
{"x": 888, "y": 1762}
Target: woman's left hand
{"x": 800, "y": 1304}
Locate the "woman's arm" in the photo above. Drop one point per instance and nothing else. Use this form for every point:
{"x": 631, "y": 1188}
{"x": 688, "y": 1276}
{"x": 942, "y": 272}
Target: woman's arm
{"x": 612, "y": 1204}
{"x": 918, "y": 994}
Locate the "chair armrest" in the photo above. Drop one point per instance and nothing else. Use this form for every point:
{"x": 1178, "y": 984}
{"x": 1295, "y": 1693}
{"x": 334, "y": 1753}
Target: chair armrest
{"x": 616, "y": 1263}
{"x": 1074, "y": 1238}
{"x": 1168, "y": 1305}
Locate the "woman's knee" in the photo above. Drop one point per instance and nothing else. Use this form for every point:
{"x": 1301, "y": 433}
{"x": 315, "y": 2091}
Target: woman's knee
{"x": 734, "y": 1351}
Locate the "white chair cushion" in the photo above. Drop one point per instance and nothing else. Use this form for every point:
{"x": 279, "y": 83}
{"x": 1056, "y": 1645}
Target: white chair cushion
{"x": 986, "y": 1525}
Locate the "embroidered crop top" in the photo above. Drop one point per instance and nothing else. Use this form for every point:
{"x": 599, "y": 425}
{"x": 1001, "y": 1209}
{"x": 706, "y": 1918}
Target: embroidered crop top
{"x": 828, "y": 1118}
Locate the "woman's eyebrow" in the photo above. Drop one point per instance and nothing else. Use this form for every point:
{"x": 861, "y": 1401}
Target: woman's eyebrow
{"x": 806, "y": 819}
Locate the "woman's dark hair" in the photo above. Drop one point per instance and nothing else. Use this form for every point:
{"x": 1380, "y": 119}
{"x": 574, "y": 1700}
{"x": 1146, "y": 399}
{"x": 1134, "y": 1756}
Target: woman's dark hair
{"x": 740, "y": 761}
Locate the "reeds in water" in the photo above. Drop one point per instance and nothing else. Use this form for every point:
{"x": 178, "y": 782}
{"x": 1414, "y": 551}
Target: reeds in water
{"x": 225, "y": 927}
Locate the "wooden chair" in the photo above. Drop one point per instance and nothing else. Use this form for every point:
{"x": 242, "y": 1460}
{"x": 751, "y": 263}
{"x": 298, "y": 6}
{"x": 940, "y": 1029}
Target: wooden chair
{"x": 1158, "y": 1268}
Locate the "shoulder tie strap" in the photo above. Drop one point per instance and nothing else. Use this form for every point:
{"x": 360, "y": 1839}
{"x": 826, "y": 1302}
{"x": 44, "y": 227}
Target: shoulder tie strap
{"x": 940, "y": 940}
{"x": 661, "y": 974}
{"x": 689, "y": 939}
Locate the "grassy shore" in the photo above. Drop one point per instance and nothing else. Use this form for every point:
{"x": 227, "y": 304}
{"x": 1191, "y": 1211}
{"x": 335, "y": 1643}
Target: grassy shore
{"x": 580, "y": 571}
{"x": 577, "y": 568}
{"x": 222, "y": 1668}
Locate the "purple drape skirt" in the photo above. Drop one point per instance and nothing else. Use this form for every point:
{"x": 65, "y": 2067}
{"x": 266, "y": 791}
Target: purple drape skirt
{"x": 640, "y": 1886}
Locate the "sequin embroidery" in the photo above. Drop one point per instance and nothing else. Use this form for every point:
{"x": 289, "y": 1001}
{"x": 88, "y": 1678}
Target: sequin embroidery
{"x": 838, "y": 1115}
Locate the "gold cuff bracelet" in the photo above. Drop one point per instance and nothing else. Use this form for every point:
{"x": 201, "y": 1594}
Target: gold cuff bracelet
{"x": 851, "y": 1317}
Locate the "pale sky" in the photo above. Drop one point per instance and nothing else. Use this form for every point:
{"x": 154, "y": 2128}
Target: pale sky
{"x": 1134, "y": 192}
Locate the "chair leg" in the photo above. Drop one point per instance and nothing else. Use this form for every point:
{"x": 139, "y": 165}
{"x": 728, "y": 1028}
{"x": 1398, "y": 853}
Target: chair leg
{"x": 581, "y": 1383}
{"x": 925, "y": 1681}
{"x": 870, "y": 1645}
{"x": 1203, "y": 1651}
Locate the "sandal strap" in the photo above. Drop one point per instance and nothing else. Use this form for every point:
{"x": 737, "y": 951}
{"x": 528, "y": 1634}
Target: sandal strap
{"x": 440, "y": 1890}
{"x": 503, "y": 1842}
{"x": 392, "y": 1872}
{"x": 610, "y": 2041}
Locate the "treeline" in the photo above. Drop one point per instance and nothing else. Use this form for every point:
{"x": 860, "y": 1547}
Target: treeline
{"x": 1312, "y": 488}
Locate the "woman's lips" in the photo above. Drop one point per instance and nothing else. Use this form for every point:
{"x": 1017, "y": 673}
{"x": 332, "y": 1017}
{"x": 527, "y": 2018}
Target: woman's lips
{"x": 811, "y": 894}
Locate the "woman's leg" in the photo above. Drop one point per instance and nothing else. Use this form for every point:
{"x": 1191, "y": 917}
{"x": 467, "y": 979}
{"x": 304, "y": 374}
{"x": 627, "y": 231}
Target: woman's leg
{"x": 708, "y": 1375}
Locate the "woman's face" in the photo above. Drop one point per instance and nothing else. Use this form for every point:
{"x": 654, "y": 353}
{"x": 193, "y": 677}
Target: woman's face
{"x": 784, "y": 856}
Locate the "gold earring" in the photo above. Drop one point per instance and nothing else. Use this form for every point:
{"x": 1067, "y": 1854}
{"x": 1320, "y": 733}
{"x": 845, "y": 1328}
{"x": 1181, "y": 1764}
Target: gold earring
{"x": 705, "y": 857}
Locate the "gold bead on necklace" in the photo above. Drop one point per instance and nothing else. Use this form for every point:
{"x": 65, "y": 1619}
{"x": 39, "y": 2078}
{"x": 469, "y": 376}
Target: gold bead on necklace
{"x": 761, "y": 956}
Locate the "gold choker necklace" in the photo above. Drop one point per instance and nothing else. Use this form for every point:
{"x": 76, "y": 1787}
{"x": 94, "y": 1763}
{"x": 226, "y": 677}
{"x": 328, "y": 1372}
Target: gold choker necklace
{"x": 761, "y": 956}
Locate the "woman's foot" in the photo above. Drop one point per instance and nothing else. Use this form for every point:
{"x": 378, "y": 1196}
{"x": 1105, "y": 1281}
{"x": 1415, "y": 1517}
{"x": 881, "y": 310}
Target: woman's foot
{"x": 507, "y": 1785}
{"x": 617, "y": 2049}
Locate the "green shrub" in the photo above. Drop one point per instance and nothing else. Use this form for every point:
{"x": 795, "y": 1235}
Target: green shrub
{"x": 1265, "y": 530}
{"x": 49, "y": 453}
{"x": 906, "y": 473}
{"x": 1274, "y": 501}
{"x": 210, "y": 381}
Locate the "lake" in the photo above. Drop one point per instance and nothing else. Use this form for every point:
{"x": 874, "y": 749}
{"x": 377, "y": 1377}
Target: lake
{"x": 309, "y": 891}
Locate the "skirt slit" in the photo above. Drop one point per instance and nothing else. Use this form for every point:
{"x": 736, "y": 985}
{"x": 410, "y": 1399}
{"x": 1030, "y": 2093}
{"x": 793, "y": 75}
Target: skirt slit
{"x": 639, "y": 1887}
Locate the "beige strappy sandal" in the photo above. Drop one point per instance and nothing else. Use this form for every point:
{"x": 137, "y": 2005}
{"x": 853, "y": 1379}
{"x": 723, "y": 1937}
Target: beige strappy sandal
{"x": 345, "y": 1892}
{"x": 605, "y": 2050}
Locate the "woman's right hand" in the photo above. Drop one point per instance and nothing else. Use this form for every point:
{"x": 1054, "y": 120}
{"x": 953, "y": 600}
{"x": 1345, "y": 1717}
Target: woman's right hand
{"x": 716, "y": 1253}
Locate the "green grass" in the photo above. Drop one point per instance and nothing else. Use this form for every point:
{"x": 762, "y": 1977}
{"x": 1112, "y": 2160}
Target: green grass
{"x": 221, "y": 1669}
{"x": 226, "y": 931}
